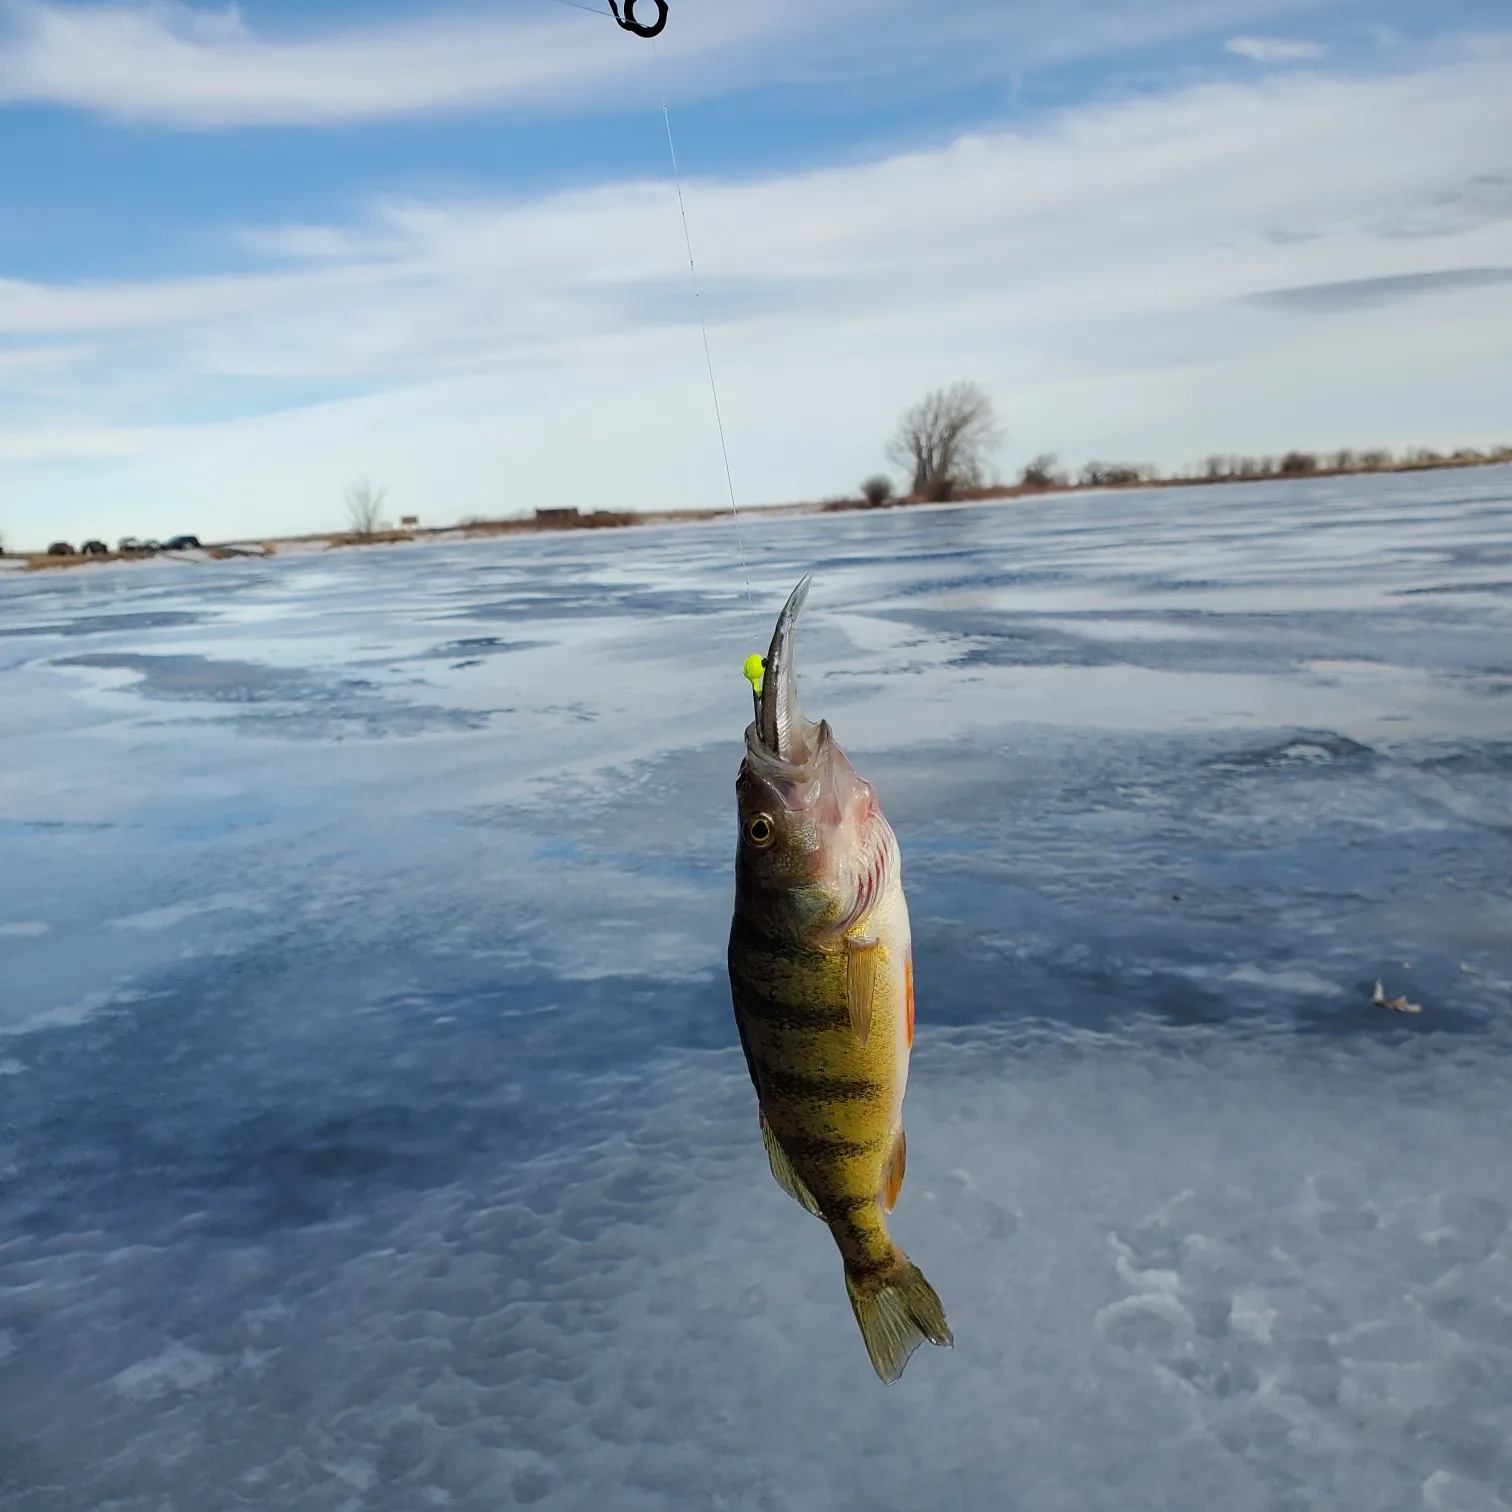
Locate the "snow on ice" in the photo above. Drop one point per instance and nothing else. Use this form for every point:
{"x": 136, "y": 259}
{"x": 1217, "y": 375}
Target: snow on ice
{"x": 373, "y": 1133}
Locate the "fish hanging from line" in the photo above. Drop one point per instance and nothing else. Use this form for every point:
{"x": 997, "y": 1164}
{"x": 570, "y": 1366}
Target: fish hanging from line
{"x": 821, "y": 975}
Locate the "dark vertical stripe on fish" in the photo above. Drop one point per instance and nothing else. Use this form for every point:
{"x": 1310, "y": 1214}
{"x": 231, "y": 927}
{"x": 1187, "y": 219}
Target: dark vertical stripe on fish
{"x": 777, "y": 1082}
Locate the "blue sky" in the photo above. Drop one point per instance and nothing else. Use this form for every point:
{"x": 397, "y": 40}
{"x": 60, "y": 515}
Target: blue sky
{"x": 250, "y": 254}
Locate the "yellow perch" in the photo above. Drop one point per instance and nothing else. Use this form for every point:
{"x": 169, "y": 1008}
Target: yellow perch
{"x": 821, "y": 973}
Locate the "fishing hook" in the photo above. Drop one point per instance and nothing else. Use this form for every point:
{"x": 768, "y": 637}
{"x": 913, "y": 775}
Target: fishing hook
{"x": 628, "y": 22}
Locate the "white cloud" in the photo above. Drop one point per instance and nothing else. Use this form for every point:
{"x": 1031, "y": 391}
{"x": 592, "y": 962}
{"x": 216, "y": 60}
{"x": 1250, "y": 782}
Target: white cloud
{"x": 1098, "y": 274}
{"x": 1275, "y": 49}
{"x": 169, "y": 62}
{"x": 174, "y": 63}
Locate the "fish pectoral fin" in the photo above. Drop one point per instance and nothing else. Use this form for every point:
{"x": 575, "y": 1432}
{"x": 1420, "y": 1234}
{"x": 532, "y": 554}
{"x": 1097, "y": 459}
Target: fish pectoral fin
{"x": 863, "y": 960}
{"x": 892, "y": 1176}
{"x": 783, "y": 1173}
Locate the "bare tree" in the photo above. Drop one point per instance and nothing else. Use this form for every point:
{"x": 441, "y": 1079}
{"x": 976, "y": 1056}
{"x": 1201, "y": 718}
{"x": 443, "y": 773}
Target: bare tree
{"x": 1043, "y": 473}
{"x": 944, "y": 441}
{"x": 363, "y": 502}
{"x": 877, "y": 490}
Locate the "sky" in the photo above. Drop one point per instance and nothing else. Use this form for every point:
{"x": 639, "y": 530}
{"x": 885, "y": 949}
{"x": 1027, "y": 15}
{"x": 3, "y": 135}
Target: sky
{"x": 250, "y": 255}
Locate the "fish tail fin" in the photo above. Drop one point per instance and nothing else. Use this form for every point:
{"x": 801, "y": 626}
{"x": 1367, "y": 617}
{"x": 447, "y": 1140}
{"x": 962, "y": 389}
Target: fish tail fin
{"x": 897, "y": 1312}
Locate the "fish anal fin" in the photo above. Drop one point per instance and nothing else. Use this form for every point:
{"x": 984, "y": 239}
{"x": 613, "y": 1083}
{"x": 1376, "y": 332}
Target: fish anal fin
{"x": 892, "y": 1175}
{"x": 863, "y": 961}
{"x": 783, "y": 1173}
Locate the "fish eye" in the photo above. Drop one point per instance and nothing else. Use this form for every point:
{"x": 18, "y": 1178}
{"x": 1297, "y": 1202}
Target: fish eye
{"x": 760, "y": 830}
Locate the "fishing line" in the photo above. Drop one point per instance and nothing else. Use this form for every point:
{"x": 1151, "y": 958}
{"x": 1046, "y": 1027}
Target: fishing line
{"x": 703, "y": 326}
{"x": 628, "y": 23}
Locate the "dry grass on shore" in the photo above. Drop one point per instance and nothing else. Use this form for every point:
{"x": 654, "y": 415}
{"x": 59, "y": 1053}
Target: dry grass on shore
{"x": 551, "y": 520}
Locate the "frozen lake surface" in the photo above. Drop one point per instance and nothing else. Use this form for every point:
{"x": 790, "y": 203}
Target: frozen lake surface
{"x": 373, "y": 1131}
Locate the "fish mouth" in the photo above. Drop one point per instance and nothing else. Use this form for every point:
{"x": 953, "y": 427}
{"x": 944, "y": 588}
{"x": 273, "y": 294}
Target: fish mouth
{"x": 780, "y": 726}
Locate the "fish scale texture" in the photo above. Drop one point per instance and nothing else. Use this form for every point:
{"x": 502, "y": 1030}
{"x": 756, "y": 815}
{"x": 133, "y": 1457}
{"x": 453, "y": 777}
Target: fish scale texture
{"x": 372, "y": 1130}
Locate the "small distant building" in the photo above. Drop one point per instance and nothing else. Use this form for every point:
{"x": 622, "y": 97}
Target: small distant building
{"x": 556, "y": 517}
{"x": 409, "y": 522}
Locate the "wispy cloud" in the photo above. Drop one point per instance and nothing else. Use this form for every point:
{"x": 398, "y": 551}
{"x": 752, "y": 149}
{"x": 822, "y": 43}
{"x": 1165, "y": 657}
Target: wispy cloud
{"x": 168, "y": 62}
{"x": 1481, "y": 200}
{"x": 179, "y": 64}
{"x": 1371, "y": 293}
{"x": 1206, "y": 185}
{"x": 1275, "y": 49}
{"x": 1116, "y": 277}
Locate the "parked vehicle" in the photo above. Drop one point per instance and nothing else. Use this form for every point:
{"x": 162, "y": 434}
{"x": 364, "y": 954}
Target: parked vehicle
{"x": 127, "y": 545}
{"x": 61, "y": 548}
{"x": 94, "y": 548}
{"x": 182, "y": 543}
{"x": 151, "y": 546}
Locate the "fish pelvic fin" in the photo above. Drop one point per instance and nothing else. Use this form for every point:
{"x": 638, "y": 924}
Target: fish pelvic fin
{"x": 862, "y": 960}
{"x": 783, "y": 1173}
{"x": 892, "y": 1177}
{"x": 897, "y": 1313}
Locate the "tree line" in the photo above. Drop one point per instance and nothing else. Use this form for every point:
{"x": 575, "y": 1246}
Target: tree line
{"x": 944, "y": 443}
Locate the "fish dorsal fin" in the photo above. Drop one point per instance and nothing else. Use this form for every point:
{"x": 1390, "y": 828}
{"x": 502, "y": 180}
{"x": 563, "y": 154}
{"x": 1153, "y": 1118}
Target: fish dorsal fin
{"x": 862, "y": 959}
{"x": 892, "y": 1176}
{"x": 783, "y": 1173}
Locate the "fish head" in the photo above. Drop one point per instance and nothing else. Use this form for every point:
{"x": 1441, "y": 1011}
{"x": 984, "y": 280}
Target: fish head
{"x": 808, "y": 822}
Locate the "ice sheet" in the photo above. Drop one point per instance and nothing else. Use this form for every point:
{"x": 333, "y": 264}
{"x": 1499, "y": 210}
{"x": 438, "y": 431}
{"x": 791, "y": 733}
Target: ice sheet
{"x": 372, "y": 1130}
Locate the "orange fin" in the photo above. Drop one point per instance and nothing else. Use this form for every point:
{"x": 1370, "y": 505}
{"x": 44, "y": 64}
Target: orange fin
{"x": 862, "y": 958}
{"x": 892, "y": 1176}
{"x": 908, "y": 998}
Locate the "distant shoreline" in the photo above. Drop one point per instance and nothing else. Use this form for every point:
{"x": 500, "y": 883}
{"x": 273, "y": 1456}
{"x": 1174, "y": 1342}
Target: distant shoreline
{"x": 552, "y": 521}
